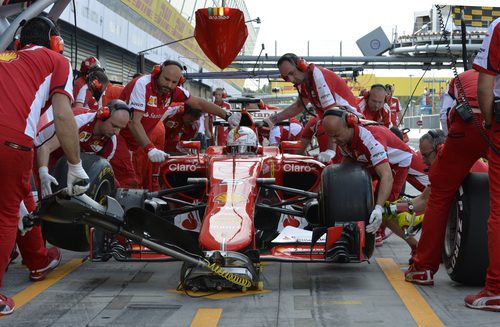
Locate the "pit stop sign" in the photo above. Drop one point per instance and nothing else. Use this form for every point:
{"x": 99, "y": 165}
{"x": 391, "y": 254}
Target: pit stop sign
{"x": 420, "y": 123}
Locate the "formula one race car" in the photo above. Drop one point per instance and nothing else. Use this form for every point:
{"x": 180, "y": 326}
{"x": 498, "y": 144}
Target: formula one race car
{"x": 254, "y": 203}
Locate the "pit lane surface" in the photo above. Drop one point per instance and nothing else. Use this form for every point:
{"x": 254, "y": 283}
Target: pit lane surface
{"x": 143, "y": 294}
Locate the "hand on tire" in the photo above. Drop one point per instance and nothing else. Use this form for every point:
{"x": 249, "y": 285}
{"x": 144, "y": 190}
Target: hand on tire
{"x": 375, "y": 219}
{"x": 78, "y": 180}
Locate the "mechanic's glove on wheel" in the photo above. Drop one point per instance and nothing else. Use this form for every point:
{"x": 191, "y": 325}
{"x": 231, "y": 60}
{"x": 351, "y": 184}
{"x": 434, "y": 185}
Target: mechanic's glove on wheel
{"x": 78, "y": 180}
{"x": 375, "y": 219}
{"x": 156, "y": 155}
{"x": 326, "y": 156}
{"x": 270, "y": 121}
{"x": 233, "y": 119}
{"x": 46, "y": 180}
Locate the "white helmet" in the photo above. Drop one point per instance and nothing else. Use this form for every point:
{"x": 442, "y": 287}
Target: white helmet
{"x": 241, "y": 140}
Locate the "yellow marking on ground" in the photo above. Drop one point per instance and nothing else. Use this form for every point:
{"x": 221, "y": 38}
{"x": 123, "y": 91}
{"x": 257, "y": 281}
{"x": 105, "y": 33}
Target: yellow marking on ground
{"x": 35, "y": 289}
{"x": 419, "y": 309}
{"x": 205, "y": 317}
{"x": 220, "y": 295}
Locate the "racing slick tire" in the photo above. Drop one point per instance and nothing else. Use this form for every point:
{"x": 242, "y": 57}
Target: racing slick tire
{"x": 465, "y": 252}
{"x": 76, "y": 237}
{"x": 346, "y": 196}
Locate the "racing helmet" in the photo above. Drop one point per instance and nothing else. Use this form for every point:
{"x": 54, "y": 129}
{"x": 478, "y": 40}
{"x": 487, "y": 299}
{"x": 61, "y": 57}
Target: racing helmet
{"x": 241, "y": 140}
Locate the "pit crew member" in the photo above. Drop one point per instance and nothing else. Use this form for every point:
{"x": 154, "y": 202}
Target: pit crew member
{"x": 461, "y": 149}
{"x": 24, "y": 97}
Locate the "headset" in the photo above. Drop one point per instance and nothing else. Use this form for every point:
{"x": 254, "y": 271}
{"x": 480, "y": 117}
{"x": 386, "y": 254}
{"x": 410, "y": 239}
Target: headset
{"x": 55, "y": 41}
{"x": 350, "y": 119}
{"x": 157, "y": 69}
{"x": 436, "y": 136}
{"x": 88, "y": 64}
{"x": 106, "y": 111}
{"x": 95, "y": 86}
{"x": 299, "y": 62}
{"x": 366, "y": 95}
{"x": 224, "y": 93}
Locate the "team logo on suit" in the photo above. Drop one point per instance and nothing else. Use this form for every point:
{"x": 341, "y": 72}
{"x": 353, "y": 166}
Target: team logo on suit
{"x": 152, "y": 101}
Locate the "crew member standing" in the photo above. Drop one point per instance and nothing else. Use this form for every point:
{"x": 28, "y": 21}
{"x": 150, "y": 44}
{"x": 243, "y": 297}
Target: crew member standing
{"x": 462, "y": 148}
{"x": 487, "y": 62}
{"x": 316, "y": 85}
{"x": 373, "y": 105}
{"x": 394, "y": 104}
{"x": 32, "y": 79}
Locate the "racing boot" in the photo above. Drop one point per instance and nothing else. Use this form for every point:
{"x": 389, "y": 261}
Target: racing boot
{"x": 483, "y": 300}
{"x": 419, "y": 276}
{"x": 54, "y": 258}
{"x": 6, "y": 305}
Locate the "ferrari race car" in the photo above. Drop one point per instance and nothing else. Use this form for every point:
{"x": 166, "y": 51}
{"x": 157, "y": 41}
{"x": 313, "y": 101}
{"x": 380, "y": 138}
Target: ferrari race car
{"x": 222, "y": 212}
{"x": 226, "y": 211}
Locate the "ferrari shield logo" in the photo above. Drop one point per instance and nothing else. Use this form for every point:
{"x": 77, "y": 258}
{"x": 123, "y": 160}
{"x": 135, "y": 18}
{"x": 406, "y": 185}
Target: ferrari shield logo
{"x": 85, "y": 136}
{"x": 152, "y": 102}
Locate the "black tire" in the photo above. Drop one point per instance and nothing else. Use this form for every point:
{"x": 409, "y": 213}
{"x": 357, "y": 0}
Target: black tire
{"x": 102, "y": 182}
{"x": 465, "y": 253}
{"x": 346, "y": 196}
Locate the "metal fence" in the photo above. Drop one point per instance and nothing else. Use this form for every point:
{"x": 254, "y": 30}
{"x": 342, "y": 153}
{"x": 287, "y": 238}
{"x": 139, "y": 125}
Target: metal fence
{"x": 428, "y": 121}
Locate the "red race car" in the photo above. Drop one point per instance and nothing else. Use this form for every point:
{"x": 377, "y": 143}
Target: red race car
{"x": 222, "y": 212}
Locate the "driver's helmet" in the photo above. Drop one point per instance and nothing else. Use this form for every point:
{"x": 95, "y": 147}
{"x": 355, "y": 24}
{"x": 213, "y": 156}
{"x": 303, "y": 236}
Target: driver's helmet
{"x": 241, "y": 140}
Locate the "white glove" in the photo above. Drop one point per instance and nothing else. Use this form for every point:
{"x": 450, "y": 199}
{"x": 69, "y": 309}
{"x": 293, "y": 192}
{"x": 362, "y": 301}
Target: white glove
{"x": 234, "y": 119}
{"x": 270, "y": 121}
{"x": 326, "y": 156}
{"x": 375, "y": 219}
{"x": 156, "y": 155}
{"x": 77, "y": 174}
{"x": 23, "y": 211}
{"x": 46, "y": 180}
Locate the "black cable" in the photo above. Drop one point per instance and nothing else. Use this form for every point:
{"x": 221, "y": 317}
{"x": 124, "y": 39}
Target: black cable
{"x": 428, "y": 66}
{"x": 460, "y": 97}
{"x": 76, "y": 42}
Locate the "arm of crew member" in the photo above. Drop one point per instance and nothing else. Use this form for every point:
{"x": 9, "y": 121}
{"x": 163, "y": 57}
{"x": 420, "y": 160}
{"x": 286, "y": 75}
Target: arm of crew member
{"x": 384, "y": 173}
{"x": 43, "y": 152}
{"x": 420, "y": 202}
{"x": 207, "y": 107}
{"x": 137, "y": 129}
{"x": 305, "y": 141}
{"x": 291, "y": 111}
{"x": 208, "y": 131}
{"x": 66, "y": 128}
{"x": 485, "y": 85}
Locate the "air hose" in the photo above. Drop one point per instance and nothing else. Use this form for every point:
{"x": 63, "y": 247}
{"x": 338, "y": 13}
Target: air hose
{"x": 218, "y": 270}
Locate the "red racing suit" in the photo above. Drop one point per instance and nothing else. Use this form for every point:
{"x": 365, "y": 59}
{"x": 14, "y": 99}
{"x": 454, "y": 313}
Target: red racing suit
{"x": 28, "y": 79}
{"x": 395, "y": 107}
{"x": 461, "y": 149}
{"x": 380, "y": 116}
{"x": 324, "y": 90}
{"x": 488, "y": 61}
{"x": 373, "y": 145}
{"x": 175, "y": 128}
{"x": 141, "y": 95}
{"x": 417, "y": 175}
